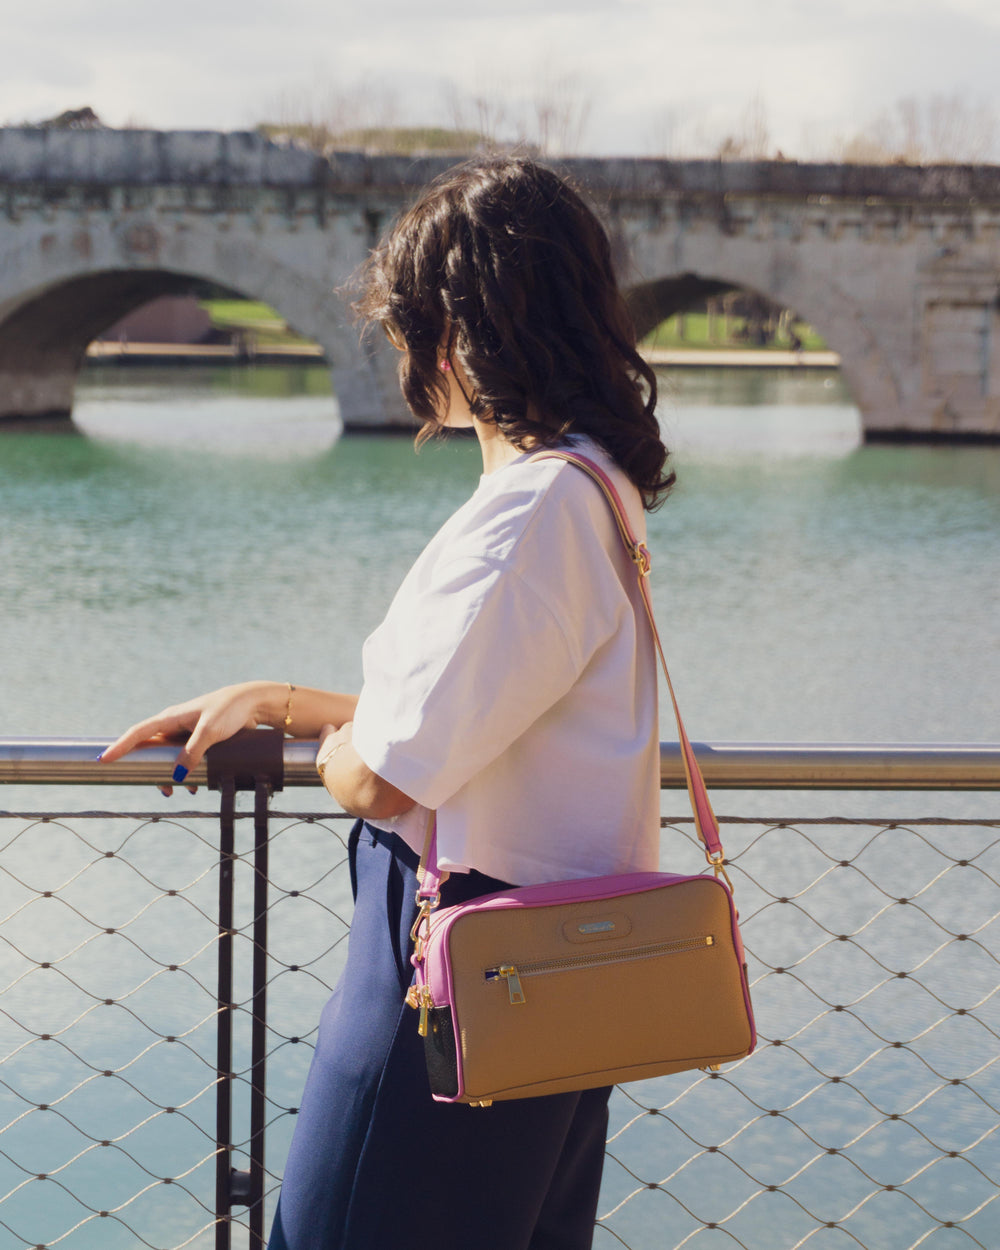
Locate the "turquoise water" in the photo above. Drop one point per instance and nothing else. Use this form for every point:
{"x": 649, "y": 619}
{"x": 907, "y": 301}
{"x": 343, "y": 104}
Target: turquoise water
{"x": 198, "y": 527}
{"x": 193, "y": 532}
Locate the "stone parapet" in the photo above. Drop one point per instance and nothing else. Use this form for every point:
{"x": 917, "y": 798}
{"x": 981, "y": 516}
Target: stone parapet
{"x": 245, "y": 158}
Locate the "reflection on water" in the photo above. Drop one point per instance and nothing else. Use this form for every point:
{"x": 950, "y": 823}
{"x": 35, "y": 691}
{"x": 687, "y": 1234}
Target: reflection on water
{"x": 727, "y": 414}
{"x": 755, "y": 388}
{"x": 268, "y": 412}
{"x": 109, "y": 384}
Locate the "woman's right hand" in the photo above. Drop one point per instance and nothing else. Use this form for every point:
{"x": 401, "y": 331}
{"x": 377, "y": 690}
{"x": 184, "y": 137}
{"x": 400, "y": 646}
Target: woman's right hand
{"x": 210, "y": 718}
{"x": 201, "y": 722}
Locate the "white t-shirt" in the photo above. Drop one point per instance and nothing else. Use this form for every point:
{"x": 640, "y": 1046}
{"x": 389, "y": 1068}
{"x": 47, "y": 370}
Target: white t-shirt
{"x": 512, "y": 684}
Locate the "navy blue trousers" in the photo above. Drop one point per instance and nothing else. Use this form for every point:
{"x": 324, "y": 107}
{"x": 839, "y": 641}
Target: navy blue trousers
{"x": 375, "y": 1163}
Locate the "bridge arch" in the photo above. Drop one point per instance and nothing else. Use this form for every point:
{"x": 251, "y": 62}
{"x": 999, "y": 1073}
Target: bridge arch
{"x": 782, "y": 274}
{"x": 651, "y": 303}
{"x": 84, "y": 279}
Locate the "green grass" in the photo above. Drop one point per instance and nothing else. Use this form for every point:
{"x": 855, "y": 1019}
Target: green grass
{"x": 256, "y": 320}
{"x": 264, "y": 326}
{"x": 696, "y": 334}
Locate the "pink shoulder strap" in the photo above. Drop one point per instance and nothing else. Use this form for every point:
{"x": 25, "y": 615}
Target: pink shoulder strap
{"x": 704, "y": 817}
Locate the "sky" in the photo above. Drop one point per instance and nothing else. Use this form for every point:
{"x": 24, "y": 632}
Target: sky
{"x": 634, "y": 77}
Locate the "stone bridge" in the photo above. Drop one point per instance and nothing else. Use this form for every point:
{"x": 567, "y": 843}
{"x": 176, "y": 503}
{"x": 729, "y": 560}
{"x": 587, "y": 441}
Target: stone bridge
{"x": 898, "y": 267}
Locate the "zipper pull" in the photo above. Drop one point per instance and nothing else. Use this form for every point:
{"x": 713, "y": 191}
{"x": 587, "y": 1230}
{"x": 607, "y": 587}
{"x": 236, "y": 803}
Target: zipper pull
{"x": 420, "y": 998}
{"x": 509, "y": 973}
{"x": 425, "y": 1005}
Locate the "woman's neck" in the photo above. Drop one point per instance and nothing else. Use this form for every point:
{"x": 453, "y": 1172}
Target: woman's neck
{"x": 497, "y": 450}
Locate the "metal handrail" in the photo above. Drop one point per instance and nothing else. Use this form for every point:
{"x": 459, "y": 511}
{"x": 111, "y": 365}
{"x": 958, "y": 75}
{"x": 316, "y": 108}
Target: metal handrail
{"x": 726, "y": 765}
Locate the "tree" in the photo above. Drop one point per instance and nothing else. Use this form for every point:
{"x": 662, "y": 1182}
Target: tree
{"x": 319, "y": 119}
{"x": 934, "y": 129}
{"x": 752, "y": 142}
{"x": 560, "y": 111}
{"x": 548, "y": 116}
{"x": 485, "y": 115}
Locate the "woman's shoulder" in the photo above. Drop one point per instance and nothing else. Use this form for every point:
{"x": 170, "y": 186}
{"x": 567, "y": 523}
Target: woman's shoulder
{"x": 536, "y": 472}
{"x": 562, "y": 486}
{"x": 540, "y": 501}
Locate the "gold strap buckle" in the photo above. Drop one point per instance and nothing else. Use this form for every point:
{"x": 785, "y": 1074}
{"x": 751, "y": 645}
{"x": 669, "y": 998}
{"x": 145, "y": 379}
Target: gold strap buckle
{"x": 718, "y": 862}
{"x": 641, "y": 558}
{"x": 427, "y": 901}
{"x": 422, "y": 924}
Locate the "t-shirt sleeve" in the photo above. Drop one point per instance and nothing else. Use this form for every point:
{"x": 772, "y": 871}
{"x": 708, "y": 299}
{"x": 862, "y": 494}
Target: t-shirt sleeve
{"x": 458, "y": 670}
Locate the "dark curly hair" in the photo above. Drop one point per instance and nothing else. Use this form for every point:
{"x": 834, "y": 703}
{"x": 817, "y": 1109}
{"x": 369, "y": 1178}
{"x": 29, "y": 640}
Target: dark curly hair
{"x": 504, "y": 262}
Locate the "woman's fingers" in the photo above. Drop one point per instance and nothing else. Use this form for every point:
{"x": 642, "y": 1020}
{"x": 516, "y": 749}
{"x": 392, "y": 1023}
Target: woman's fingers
{"x": 188, "y": 758}
{"x": 167, "y": 791}
{"x": 205, "y": 734}
{"x": 202, "y": 721}
{"x": 197, "y": 724}
{"x": 218, "y": 721}
{"x": 165, "y": 727}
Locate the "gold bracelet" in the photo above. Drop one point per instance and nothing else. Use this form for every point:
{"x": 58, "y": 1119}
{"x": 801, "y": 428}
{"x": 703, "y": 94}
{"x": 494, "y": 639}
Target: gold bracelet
{"x": 321, "y": 764}
{"x": 288, "y": 705}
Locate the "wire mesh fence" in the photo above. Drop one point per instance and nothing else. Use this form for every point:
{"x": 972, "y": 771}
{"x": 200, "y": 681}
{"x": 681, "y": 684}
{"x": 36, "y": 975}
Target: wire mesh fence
{"x": 109, "y": 950}
{"x": 108, "y": 1020}
{"x": 868, "y": 1114}
{"x": 866, "y": 1117}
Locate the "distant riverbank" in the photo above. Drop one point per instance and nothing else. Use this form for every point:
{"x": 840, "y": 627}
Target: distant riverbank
{"x": 112, "y": 352}
{"x": 126, "y": 353}
{"x": 739, "y": 358}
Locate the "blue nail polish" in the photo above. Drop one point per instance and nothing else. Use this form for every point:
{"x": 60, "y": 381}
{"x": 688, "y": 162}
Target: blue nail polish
{"x": 180, "y": 772}
{"x": 99, "y": 757}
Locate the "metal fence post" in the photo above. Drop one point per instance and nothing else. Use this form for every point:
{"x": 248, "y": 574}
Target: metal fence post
{"x": 251, "y": 760}
{"x": 224, "y": 1028}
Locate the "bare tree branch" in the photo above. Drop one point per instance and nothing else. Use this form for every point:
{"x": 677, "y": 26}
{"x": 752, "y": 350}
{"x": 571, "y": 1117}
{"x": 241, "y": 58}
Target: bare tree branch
{"x": 938, "y": 129}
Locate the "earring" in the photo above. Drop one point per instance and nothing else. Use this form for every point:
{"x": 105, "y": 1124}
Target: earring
{"x": 444, "y": 365}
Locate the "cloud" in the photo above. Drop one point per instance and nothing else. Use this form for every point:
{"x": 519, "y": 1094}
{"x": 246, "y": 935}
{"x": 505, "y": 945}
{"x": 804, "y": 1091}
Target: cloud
{"x": 227, "y": 64}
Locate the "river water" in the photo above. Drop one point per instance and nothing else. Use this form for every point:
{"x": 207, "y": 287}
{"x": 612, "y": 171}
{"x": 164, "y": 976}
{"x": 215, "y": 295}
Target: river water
{"x": 201, "y": 526}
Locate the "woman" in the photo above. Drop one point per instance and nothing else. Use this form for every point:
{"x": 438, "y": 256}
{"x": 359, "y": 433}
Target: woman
{"x": 511, "y": 687}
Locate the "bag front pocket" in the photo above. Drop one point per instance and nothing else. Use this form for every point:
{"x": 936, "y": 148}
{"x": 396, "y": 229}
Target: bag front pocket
{"x": 512, "y": 973}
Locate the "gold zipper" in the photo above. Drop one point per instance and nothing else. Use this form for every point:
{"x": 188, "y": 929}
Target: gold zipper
{"x": 512, "y": 973}
{"x": 421, "y": 999}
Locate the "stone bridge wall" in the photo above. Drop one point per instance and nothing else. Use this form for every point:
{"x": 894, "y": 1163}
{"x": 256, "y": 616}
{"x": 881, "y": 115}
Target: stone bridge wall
{"x": 898, "y": 267}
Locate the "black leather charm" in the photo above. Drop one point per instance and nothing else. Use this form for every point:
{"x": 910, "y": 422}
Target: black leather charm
{"x": 440, "y": 1053}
